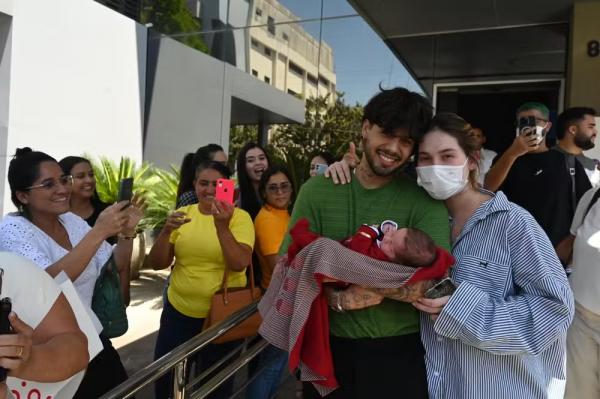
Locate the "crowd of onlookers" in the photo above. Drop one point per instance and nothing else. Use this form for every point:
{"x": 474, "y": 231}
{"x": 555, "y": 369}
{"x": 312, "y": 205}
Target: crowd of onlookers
{"x": 520, "y": 223}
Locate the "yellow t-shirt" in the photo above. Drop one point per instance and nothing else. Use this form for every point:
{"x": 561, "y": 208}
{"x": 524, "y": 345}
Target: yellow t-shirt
{"x": 199, "y": 261}
{"x": 271, "y": 225}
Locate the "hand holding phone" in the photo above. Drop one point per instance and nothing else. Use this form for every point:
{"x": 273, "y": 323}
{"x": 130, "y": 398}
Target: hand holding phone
{"x": 5, "y": 328}
{"x": 224, "y": 191}
{"x": 443, "y": 288}
{"x": 125, "y": 191}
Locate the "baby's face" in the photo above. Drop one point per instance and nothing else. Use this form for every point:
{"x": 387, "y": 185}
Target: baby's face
{"x": 393, "y": 243}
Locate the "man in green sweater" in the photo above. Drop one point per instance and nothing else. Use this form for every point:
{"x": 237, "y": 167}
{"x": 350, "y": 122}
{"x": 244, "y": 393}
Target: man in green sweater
{"x": 375, "y": 342}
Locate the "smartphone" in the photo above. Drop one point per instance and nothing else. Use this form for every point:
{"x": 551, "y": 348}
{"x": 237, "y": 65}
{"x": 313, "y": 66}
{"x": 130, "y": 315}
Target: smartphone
{"x": 526, "y": 125}
{"x": 225, "y": 190}
{"x": 442, "y": 288}
{"x": 321, "y": 168}
{"x": 125, "y": 190}
{"x": 5, "y": 327}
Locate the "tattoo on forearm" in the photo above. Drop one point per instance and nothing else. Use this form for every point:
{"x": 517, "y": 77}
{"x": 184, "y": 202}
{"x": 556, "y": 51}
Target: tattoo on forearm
{"x": 406, "y": 292}
{"x": 352, "y": 301}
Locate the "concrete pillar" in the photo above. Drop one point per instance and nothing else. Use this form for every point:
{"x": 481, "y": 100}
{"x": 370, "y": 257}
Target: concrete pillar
{"x": 263, "y": 134}
{"x": 583, "y": 71}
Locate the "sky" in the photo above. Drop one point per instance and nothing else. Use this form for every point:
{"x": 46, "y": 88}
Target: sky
{"x": 361, "y": 59}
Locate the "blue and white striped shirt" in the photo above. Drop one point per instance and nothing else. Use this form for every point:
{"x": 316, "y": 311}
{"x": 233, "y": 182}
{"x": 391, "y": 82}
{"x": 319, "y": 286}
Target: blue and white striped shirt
{"x": 502, "y": 334}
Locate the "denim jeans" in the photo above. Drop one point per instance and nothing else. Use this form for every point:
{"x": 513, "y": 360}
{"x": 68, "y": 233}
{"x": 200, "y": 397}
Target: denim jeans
{"x": 271, "y": 365}
{"x": 176, "y": 329}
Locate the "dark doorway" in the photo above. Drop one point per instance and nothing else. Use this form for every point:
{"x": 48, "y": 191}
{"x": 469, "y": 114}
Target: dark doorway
{"x": 492, "y": 107}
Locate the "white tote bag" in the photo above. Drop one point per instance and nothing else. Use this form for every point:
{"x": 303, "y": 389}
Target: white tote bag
{"x": 23, "y": 389}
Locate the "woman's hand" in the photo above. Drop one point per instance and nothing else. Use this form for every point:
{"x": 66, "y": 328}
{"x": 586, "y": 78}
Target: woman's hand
{"x": 432, "y": 306}
{"x": 340, "y": 172}
{"x": 222, "y": 213}
{"x": 174, "y": 221}
{"x": 352, "y": 298}
{"x": 15, "y": 349}
{"x": 112, "y": 220}
{"x": 135, "y": 213}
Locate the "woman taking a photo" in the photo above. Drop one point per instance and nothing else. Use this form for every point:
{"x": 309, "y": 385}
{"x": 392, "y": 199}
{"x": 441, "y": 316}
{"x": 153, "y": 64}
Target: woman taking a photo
{"x": 205, "y": 240}
{"x": 186, "y": 194}
{"x": 57, "y": 240}
{"x": 252, "y": 161}
{"x": 509, "y": 316}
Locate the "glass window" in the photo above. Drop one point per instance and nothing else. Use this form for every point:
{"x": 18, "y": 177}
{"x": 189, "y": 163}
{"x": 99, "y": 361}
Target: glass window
{"x": 271, "y": 25}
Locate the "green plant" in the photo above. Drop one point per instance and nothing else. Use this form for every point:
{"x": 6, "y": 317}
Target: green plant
{"x": 161, "y": 197}
{"x": 109, "y": 174}
{"x": 157, "y": 186}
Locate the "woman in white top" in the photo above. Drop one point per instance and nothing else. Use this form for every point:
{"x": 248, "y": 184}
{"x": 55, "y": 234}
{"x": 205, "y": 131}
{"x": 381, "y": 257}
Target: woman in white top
{"x": 44, "y": 231}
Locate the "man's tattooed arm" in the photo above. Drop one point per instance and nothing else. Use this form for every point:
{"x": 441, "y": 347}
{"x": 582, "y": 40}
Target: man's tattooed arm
{"x": 406, "y": 293}
{"x": 352, "y": 298}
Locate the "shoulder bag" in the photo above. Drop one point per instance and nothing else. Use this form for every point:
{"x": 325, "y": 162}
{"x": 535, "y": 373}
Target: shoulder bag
{"x": 227, "y": 301}
{"x": 107, "y": 302}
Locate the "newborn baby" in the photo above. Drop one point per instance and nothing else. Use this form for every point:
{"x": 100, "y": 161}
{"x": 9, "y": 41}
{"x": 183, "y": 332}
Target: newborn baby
{"x": 406, "y": 246}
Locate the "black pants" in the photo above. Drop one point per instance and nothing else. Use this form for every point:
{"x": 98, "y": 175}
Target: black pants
{"x": 104, "y": 372}
{"x": 176, "y": 329}
{"x": 368, "y": 368}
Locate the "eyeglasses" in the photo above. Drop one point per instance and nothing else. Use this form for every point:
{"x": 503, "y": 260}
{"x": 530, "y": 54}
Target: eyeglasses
{"x": 283, "y": 187}
{"x": 65, "y": 180}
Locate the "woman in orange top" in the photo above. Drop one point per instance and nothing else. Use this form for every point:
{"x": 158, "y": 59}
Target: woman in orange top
{"x": 270, "y": 226}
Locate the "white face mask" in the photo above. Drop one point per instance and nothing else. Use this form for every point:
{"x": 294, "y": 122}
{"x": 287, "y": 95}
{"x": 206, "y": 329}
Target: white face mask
{"x": 539, "y": 133}
{"x": 442, "y": 181}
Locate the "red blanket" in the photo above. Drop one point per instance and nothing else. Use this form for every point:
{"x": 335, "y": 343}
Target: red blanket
{"x": 294, "y": 309}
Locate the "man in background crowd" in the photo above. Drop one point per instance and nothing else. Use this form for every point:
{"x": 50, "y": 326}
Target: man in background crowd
{"x": 539, "y": 180}
{"x": 485, "y": 156}
{"x": 576, "y": 131}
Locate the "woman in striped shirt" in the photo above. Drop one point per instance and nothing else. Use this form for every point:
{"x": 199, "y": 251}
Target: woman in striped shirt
{"x": 501, "y": 334}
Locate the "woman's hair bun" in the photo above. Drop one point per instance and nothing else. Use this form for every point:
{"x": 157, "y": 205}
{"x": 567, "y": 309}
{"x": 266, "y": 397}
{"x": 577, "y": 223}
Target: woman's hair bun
{"x": 22, "y": 151}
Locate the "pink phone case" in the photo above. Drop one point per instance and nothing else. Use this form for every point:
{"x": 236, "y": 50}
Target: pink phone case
{"x": 225, "y": 190}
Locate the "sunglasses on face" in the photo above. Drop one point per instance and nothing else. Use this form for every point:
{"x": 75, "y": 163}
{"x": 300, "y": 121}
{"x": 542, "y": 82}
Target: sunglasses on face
{"x": 285, "y": 188}
{"x": 49, "y": 184}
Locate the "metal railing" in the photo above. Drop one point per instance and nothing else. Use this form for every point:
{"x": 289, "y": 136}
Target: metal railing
{"x": 177, "y": 360}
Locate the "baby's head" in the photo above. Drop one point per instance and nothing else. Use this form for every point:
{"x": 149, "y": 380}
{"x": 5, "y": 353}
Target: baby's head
{"x": 410, "y": 247}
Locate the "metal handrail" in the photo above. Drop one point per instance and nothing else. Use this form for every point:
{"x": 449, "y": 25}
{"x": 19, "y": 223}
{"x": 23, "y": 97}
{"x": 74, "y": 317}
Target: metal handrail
{"x": 229, "y": 371}
{"x": 161, "y": 366}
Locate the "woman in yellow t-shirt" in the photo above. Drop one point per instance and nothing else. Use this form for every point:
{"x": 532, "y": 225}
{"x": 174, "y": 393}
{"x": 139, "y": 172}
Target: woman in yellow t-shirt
{"x": 270, "y": 224}
{"x": 203, "y": 239}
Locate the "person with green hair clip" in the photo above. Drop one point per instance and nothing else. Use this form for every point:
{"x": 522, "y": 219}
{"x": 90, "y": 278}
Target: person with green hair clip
{"x": 543, "y": 182}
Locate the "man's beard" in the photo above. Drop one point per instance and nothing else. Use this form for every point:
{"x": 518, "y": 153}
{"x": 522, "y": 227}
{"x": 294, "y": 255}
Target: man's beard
{"x": 583, "y": 142}
{"x": 378, "y": 170}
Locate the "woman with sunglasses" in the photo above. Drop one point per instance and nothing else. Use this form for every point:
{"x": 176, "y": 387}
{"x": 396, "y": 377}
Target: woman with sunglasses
{"x": 271, "y": 224}
{"x": 84, "y": 200}
{"x": 57, "y": 240}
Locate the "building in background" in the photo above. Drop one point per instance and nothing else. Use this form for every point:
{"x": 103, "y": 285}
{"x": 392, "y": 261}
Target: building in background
{"x": 263, "y": 38}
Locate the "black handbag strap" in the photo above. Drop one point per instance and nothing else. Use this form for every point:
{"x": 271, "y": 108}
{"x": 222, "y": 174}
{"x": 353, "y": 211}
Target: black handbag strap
{"x": 592, "y": 202}
{"x": 570, "y": 160}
